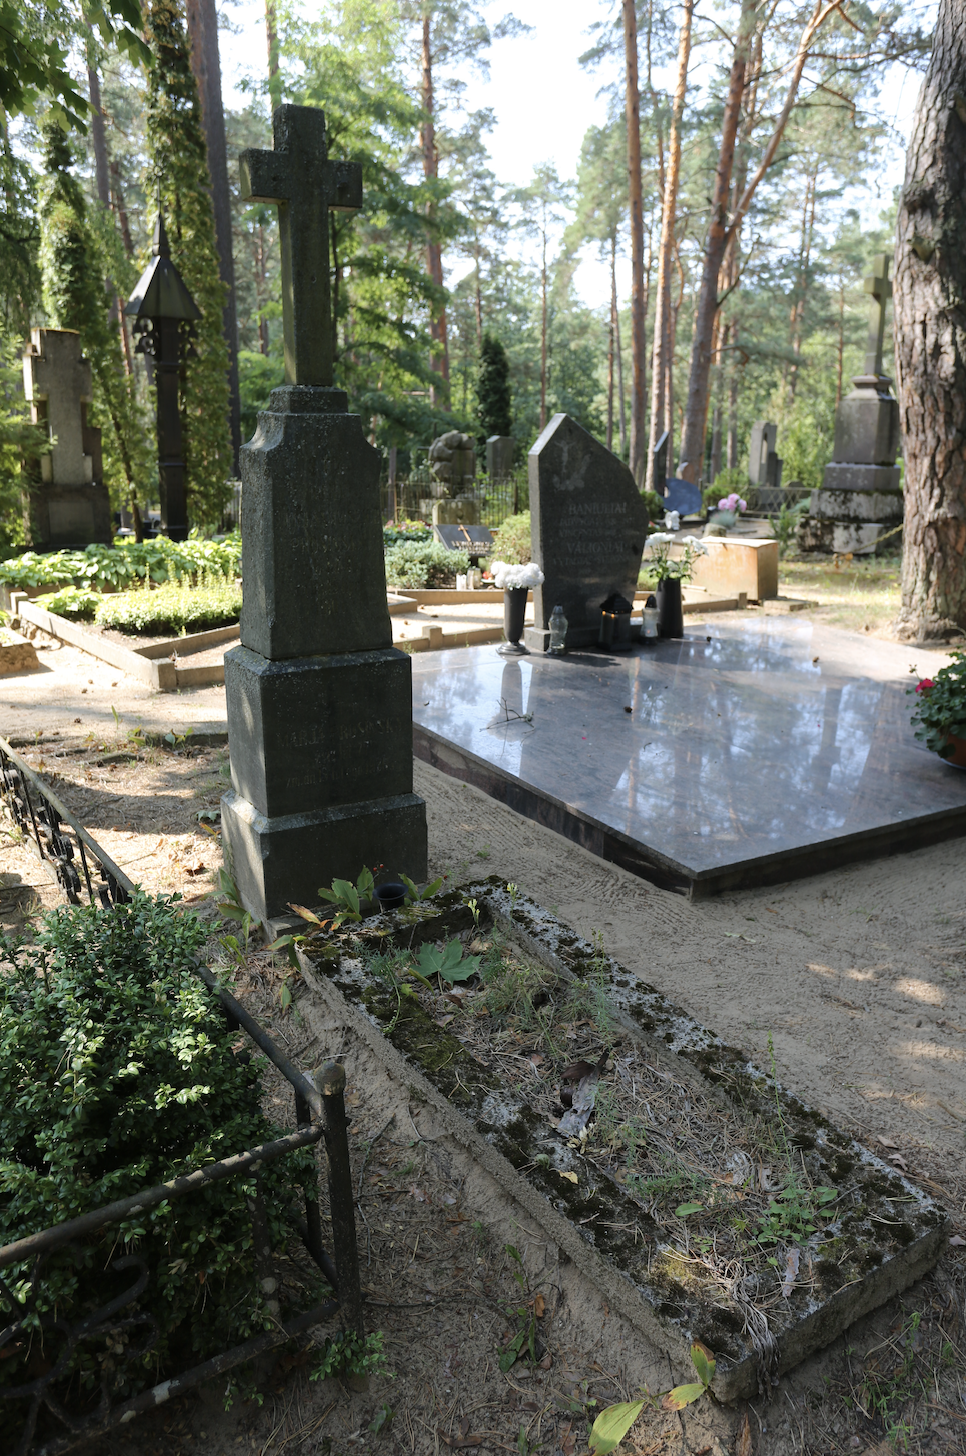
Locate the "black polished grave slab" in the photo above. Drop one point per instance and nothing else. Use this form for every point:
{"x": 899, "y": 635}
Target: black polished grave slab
{"x": 773, "y": 750}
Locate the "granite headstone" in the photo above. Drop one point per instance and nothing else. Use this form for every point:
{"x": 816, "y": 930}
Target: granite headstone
{"x": 500, "y": 450}
{"x": 67, "y": 500}
{"x": 319, "y": 700}
{"x": 588, "y": 525}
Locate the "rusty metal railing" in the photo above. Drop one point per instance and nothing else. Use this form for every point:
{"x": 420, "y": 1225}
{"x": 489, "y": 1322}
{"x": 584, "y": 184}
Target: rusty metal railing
{"x": 62, "y": 843}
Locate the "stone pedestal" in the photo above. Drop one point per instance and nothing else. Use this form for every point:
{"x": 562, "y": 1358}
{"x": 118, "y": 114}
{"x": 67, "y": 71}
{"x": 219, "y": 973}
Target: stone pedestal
{"x": 861, "y": 495}
{"x": 462, "y": 510}
{"x": 319, "y": 701}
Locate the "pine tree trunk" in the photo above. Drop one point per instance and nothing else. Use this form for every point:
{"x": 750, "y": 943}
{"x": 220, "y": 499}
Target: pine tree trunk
{"x": 271, "y": 36}
{"x": 661, "y": 406}
{"x": 637, "y": 460}
{"x": 543, "y": 333}
{"x": 930, "y": 330}
{"x": 97, "y": 135}
{"x": 202, "y": 21}
{"x": 434, "y": 252}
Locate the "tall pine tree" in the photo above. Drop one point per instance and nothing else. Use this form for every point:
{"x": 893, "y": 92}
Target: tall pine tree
{"x": 181, "y": 183}
{"x": 75, "y": 297}
{"x": 493, "y": 390}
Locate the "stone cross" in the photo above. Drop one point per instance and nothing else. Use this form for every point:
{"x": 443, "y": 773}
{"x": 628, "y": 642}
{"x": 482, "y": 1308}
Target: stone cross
{"x": 56, "y": 375}
{"x": 881, "y": 289}
{"x": 299, "y": 178}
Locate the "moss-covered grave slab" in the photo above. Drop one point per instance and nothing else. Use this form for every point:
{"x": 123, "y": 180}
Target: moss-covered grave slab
{"x": 704, "y": 1200}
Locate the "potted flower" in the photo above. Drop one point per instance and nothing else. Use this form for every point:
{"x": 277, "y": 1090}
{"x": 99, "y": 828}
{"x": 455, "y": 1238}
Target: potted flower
{"x": 728, "y": 509}
{"x": 940, "y": 711}
{"x": 515, "y": 582}
{"x": 671, "y": 576}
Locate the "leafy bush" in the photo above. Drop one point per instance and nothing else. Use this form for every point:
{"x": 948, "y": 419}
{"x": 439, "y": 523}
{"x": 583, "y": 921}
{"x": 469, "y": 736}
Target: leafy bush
{"x": 116, "y": 1073}
{"x": 511, "y": 540}
{"x": 395, "y": 531}
{"x": 79, "y": 603}
{"x": 940, "y": 711}
{"x": 125, "y": 562}
{"x": 725, "y": 482}
{"x": 174, "y": 607}
{"x": 655, "y": 505}
{"x": 424, "y": 564}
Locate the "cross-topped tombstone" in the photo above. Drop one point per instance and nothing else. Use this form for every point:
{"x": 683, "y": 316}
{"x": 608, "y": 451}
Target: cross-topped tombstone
{"x": 304, "y": 184}
{"x": 860, "y": 496}
{"x": 68, "y": 505}
{"x": 319, "y": 700}
{"x": 880, "y": 288}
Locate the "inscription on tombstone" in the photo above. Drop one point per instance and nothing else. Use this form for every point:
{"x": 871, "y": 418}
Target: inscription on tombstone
{"x": 588, "y": 525}
{"x": 319, "y": 700}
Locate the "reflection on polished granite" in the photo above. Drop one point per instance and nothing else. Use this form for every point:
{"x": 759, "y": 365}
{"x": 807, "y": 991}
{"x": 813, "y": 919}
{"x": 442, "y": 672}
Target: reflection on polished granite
{"x": 753, "y": 751}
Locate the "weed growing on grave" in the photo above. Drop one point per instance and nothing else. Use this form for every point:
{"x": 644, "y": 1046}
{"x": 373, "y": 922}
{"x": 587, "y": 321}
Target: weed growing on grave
{"x": 614, "y": 1422}
{"x": 351, "y": 1355}
{"x": 522, "y": 1343}
{"x": 795, "y": 1212}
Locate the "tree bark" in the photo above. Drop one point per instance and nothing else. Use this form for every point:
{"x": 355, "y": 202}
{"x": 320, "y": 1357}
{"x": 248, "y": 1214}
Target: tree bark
{"x": 660, "y": 367}
{"x": 271, "y": 36}
{"x": 434, "y": 251}
{"x": 206, "y": 66}
{"x": 97, "y": 135}
{"x": 720, "y": 233}
{"x": 543, "y": 328}
{"x": 638, "y": 463}
{"x": 610, "y": 342}
{"x": 930, "y": 329}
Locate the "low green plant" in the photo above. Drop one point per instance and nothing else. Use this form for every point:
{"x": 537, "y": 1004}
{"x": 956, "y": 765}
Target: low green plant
{"x": 614, "y": 1422}
{"x": 523, "y": 1342}
{"x": 511, "y": 540}
{"x": 351, "y": 1354}
{"x": 424, "y": 565}
{"x": 396, "y": 531}
{"x": 447, "y": 961}
{"x": 785, "y": 525}
{"x": 174, "y": 607}
{"x": 77, "y": 603}
{"x": 793, "y": 1214}
{"x": 656, "y": 505}
{"x": 726, "y": 482}
{"x": 940, "y": 706}
{"x": 116, "y": 1073}
{"x": 124, "y": 563}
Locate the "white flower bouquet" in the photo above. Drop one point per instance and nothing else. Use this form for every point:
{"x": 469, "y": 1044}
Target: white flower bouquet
{"x": 663, "y": 568}
{"x": 508, "y": 577}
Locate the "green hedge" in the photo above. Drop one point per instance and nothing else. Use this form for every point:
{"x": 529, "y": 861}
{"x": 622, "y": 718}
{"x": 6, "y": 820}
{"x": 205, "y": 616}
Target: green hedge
{"x": 125, "y": 562}
{"x": 117, "y": 1073}
{"x": 511, "y": 541}
{"x": 424, "y": 564}
{"x": 77, "y": 603}
{"x": 172, "y": 608}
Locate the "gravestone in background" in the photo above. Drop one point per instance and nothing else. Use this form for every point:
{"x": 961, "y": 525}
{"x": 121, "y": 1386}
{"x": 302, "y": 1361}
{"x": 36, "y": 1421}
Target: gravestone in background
{"x": 464, "y": 510}
{"x": 319, "y": 700}
{"x": 452, "y": 459}
{"x": 500, "y": 450}
{"x": 764, "y": 463}
{"x": 475, "y": 540}
{"x": 861, "y": 496}
{"x": 67, "y": 500}
{"x": 660, "y": 462}
{"x": 588, "y": 525}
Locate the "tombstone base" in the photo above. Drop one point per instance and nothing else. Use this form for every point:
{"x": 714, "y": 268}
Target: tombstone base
{"x": 851, "y": 476}
{"x": 857, "y": 505}
{"x": 275, "y": 862}
{"x": 839, "y": 537}
{"x": 65, "y": 516}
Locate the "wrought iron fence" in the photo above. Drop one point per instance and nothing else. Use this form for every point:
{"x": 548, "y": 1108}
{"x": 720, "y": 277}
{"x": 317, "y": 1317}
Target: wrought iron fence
{"x": 413, "y": 498}
{"x": 33, "y": 1413}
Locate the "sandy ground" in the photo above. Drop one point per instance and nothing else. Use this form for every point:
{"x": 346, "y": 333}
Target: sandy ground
{"x": 858, "y": 976}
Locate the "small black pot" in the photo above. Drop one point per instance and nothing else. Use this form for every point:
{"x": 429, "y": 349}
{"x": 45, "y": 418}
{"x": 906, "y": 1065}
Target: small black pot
{"x": 391, "y": 895}
{"x": 670, "y": 608}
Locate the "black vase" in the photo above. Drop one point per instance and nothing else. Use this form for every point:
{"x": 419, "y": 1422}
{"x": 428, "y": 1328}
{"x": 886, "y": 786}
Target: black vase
{"x": 670, "y": 608}
{"x": 514, "y": 613}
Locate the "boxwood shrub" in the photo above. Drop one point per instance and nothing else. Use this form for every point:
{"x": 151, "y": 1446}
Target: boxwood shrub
{"x": 117, "y": 1073}
{"x": 175, "y": 607}
{"x": 423, "y": 564}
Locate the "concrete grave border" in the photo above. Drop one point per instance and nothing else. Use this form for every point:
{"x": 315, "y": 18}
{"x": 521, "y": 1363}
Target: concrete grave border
{"x": 884, "y": 1247}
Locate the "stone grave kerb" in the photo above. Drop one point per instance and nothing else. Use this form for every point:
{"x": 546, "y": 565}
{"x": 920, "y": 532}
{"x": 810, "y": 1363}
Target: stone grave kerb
{"x": 319, "y": 700}
{"x": 57, "y": 386}
{"x": 588, "y": 526}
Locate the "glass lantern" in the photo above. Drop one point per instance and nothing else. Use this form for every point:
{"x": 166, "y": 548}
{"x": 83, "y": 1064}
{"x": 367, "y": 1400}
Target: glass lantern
{"x": 558, "y": 632}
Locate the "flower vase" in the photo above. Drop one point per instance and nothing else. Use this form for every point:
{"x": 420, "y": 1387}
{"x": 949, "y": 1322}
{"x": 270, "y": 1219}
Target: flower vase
{"x": 514, "y": 613}
{"x": 957, "y": 759}
{"x": 670, "y": 610}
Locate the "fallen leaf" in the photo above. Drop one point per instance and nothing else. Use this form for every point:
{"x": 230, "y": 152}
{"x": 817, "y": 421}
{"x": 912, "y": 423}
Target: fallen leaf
{"x": 417, "y": 1193}
{"x": 536, "y": 1058}
{"x": 791, "y": 1272}
{"x": 958, "y": 1242}
{"x": 576, "y": 1071}
{"x": 539, "y": 1305}
{"x": 743, "y": 1443}
{"x": 899, "y": 1162}
{"x": 886, "y": 1142}
{"x": 444, "y": 1020}
{"x": 197, "y": 869}
{"x": 570, "y": 1177}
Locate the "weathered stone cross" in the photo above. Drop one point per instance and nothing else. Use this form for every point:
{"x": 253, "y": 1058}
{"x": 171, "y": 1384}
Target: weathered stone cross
{"x": 881, "y": 289}
{"x": 299, "y": 178}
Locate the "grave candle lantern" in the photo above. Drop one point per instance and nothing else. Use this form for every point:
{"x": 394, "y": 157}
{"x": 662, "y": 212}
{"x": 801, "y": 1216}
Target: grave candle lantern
{"x": 165, "y": 314}
{"x": 615, "y": 624}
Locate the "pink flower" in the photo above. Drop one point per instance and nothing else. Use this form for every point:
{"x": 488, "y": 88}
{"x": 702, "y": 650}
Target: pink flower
{"x": 924, "y": 685}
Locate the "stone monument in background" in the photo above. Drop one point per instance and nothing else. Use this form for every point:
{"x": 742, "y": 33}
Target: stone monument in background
{"x": 319, "y": 700}
{"x": 588, "y": 525}
{"x": 764, "y": 462}
{"x": 67, "y": 501}
{"x": 861, "y": 496}
{"x": 500, "y": 450}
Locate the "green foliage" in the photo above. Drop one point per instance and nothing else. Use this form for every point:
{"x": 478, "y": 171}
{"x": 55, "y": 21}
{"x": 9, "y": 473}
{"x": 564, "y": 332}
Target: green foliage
{"x": 116, "y": 1074}
{"x": 125, "y": 562}
{"x": 523, "y": 1341}
{"x": 180, "y": 167}
{"x": 940, "y": 710}
{"x": 258, "y": 375}
{"x": 511, "y": 540}
{"x": 655, "y": 505}
{"x": 35, "y": 41}
{"x": 177, "y": 606}
{"x": 785, "y": 525}
{"x": 614, "y": 1422}
{"x": 493, "y": 390}
{"x": 75, "y": 271}
{"x": 726, "y": 482}
{"x": 397, "y": 531}
{"x": 447, "y": 961}
{"x": 78, "y": 603}
{"x": 424, "y": 564}
{"x": 352, "y": 1354}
